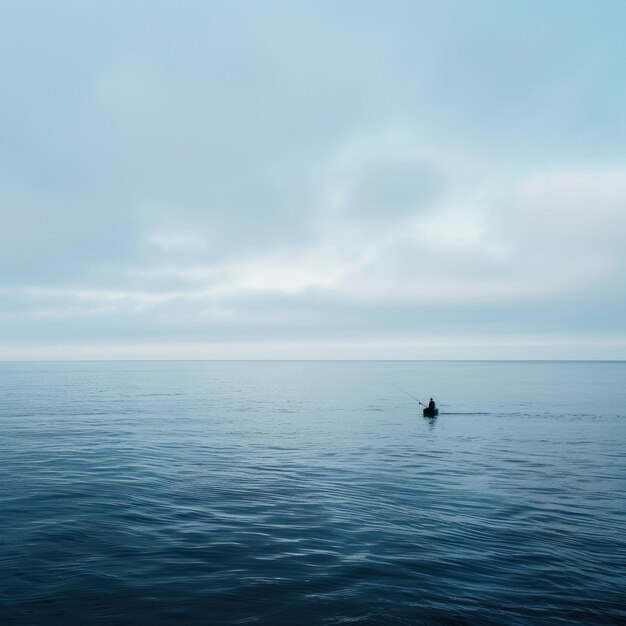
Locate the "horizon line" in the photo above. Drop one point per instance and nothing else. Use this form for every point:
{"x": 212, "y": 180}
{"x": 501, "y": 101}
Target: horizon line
{"x": 486, "y": 360}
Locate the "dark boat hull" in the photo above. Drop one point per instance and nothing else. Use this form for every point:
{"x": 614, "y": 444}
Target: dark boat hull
{"x": 431, "y": 412}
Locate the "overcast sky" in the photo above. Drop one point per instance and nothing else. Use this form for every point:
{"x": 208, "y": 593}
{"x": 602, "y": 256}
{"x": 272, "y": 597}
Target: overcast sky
{"x": 319, "y": 179}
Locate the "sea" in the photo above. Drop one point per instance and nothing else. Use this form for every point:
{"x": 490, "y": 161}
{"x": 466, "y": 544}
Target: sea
{"x": 312, "y": 492}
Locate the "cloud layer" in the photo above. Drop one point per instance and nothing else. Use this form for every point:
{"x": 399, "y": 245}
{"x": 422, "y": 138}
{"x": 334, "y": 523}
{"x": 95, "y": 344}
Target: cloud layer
{"x": 330, "y": 180}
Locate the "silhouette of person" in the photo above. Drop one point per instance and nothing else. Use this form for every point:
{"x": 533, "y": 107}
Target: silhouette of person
{"x": 431, "y": 405}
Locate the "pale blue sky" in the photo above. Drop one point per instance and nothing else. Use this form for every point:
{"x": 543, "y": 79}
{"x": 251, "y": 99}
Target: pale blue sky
{"x": 313, "y": 179}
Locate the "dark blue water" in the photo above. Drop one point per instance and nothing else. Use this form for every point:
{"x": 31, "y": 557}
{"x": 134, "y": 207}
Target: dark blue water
{"x": 312, "y": 493}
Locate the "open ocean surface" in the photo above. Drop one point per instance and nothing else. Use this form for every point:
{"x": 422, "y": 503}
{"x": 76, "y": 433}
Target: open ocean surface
{"x": 312, "y": 493}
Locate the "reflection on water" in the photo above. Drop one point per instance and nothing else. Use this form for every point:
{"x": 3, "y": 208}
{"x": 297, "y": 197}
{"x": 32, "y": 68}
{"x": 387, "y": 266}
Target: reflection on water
{"x": 431, "y": 421}
{"x": 237, "y": 492}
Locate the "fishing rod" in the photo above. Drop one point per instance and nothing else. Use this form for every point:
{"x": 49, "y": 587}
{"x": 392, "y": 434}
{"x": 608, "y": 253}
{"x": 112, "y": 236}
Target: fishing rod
{"x": 408, "y": 394}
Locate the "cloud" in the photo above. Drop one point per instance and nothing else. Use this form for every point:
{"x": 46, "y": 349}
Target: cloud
{"x": 567, "y": 229}
{"x": 311, "y": 172}
{"x": 536, "y": 245}
{"x": 382, "y": 176}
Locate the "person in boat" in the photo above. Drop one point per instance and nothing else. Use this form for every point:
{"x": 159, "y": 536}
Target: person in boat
{"x": 431, "y": 405}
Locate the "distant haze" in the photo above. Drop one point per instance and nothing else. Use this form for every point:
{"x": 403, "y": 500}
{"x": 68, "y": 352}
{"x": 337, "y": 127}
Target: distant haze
{"x": 356, "y": 179}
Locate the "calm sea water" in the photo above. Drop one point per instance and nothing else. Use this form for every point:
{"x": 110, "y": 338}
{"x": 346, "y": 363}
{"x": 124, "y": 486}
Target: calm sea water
{"x": 312, "y": 493}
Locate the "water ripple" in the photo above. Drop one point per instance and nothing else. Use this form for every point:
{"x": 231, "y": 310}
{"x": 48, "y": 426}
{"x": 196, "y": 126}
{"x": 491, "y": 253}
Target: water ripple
{"x": 235, "y": 494}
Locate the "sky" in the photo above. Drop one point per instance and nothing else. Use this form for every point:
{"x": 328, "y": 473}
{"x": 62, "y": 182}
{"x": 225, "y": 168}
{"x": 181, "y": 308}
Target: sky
{"x": 335, "y": 180}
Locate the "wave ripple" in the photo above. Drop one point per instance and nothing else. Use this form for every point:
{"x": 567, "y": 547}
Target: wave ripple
{"x": 241, "y": 493}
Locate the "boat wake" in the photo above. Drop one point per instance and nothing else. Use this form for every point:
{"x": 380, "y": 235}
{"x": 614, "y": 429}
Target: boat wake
{"x": 465, "y": 413}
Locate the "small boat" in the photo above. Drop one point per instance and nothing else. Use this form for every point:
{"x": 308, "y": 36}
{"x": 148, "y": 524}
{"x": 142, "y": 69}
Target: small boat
{"x": 431, "y": 412}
